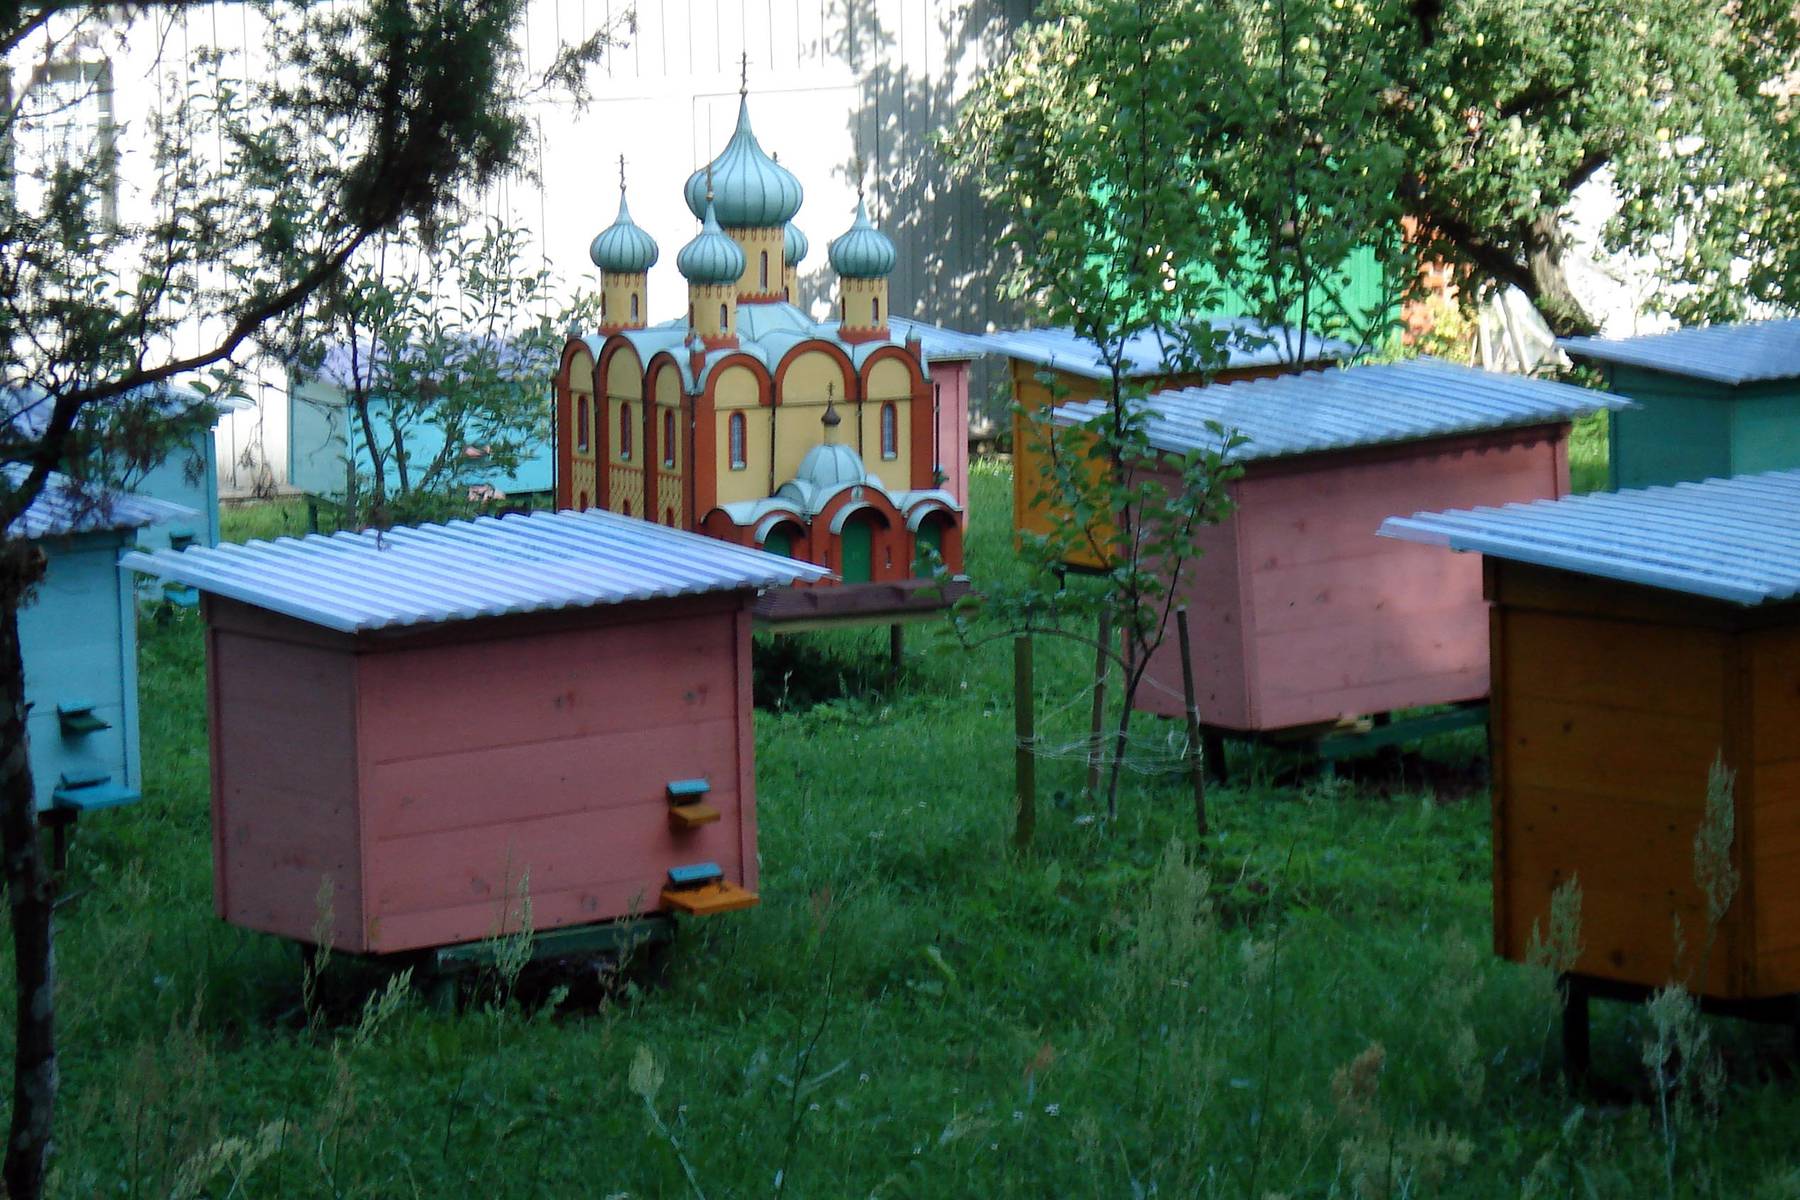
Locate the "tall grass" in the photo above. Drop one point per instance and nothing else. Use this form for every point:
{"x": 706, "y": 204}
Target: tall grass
{"x": 912, "y": 1011}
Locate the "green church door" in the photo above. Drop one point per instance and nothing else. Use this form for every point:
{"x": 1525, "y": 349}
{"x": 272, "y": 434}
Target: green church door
{"x": 930, "y": 536}
{"x": 858, "y": 550}
{"x": 780, "y": 541}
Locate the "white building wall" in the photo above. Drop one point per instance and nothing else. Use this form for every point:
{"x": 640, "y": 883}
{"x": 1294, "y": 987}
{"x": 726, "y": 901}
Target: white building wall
{"x": 829, "y": 80}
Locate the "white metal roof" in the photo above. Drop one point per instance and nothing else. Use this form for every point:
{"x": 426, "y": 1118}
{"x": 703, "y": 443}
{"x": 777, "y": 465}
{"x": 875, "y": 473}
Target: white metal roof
{"x": 1744, "y": 352}
{"x": 1147, "y": 353}
{"x": 1336, "y": 409}
{"x": 64, "y": 507}
{"x": 488, "y": 567}
{"x": 1730, "y": 539}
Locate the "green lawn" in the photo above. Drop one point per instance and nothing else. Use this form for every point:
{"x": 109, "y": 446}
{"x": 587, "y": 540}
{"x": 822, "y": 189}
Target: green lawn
{"x": 912, "y": 1011}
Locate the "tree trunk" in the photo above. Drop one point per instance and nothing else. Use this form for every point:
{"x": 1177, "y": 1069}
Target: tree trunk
{"x": 377, "y": 469}
{"x": 1545, "y": 243}
{"x": 31, "y": 894}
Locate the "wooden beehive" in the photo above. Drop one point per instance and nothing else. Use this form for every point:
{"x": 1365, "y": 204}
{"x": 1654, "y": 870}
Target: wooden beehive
{"x": 1666, "y": 635}
{"x": 1048, "y": 368}
{"x": 434, "y": 723}
{"x": 1300, "y": 614}
{"x": 1714, "y": 401}
{"x": 78, "y": 637}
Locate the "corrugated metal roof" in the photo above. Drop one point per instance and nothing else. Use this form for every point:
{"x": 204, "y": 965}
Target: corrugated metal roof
{"x": 27, "y": 408}
{"x": 1747, "y": 352}
{"x": 63, "y": 508}
{"x": 488, "y": 567}
{"x": 1335, "y": 409}
{"x": 1147, "y": 352}
{"x": 940, "y": 344}
{"x": 1729, "y": 539}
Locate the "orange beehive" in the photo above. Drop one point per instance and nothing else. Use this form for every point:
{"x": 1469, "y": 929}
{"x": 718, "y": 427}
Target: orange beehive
{"x": 1637, "y": 638}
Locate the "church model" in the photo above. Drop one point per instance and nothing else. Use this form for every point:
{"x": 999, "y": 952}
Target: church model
{"x": 746, "y": 419}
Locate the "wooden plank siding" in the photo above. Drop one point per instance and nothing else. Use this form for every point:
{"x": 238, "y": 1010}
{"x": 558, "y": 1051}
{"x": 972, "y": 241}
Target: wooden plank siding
{"x": 1328, "y": 619}
{"x": 285, "y": 815}
{"x": 1611, "y": 702}
{"x": 439, "y": 774}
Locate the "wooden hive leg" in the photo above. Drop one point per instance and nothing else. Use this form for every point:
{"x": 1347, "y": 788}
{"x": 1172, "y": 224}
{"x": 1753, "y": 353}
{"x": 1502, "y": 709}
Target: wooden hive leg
{"x": 1212, "y": 745}
{"x": 1575, "y": 1044}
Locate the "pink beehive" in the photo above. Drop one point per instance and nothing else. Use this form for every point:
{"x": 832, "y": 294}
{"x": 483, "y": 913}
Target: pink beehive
{"x": 431, "y": 723}
{"x": 1300, "y": 615}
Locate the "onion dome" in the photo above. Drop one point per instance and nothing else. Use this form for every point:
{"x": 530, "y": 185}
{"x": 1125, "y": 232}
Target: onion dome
{"x": 750, "y": 189}
{"x": 831, "y": 464}
{"x": 711, "y": 257}
{"x": 793, "y": 245}
{"x": 622, "y": 247}
{"x": 862, "y": 251}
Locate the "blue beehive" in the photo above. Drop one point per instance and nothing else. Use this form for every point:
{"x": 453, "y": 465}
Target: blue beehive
{"x": 188, "y": 477}
{"x": 78, "y": 633}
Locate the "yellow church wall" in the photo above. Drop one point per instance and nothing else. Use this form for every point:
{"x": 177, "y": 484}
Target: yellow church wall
{"x": 626, "y": 493}
{"x": 617, "y": 293}
{"x": 624, "y": 374}
{"x": 762, "y": 275}
{"x": 736, "y": 388}
{"x": 808, "y": 380}
{"x": 889, "y": 382}
{"x": 751, "y": 481}
{"x": 808, "y": 376}
{"x": 583, "y": 489}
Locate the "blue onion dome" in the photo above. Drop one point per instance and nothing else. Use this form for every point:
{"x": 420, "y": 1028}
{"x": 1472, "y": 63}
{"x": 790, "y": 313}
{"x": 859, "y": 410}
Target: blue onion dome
{"x": 711, "y": 257}
{"x": 622, "y": 247}
{"x": 863, "y": 251}
{"x": 793, "y": 245}
{"x": 750, "y": 189}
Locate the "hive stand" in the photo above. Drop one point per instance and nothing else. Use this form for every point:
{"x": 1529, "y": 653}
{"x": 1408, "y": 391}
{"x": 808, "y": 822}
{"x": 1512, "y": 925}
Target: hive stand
{"x": 1362, "y": 739}
{"x": 1577, "y": 990}
{"x": 442, "y": 972}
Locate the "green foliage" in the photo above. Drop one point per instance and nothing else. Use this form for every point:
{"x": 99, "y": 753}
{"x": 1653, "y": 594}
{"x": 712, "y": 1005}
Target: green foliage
{"x": 1117, "y": 1018}
{"x": 443, "y": 350}
{"x": 1157, "y": 158}
{"x": 1285, "y": 133}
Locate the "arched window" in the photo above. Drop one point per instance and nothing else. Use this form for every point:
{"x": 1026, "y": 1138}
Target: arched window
{"x": 625, "y": 432}
{"x": 724, "y": 319}
{"x": 890, "y": 431}
{"x": 669, "y": 517}
{"x": 690, "y": 316}
{"x": 604, "y": 306}
{"x": 625, "y": 507}
{"x": 762, "y": 272}
{"x": 634, "y": 306}
{"x": 875, "y": 310}
{"x": 668, "y": 437}
{"x": 582, "y": 419}
{"x": 584, "y": 502}
{"x": 735, "y": 438}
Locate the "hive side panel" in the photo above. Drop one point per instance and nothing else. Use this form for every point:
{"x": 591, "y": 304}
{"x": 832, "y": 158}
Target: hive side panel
{"x": 1770, "y": 788}
{"x": 284, "y": 804}
{"x": 77, "y": 650}
{"x": 1347, "y": 622}
{"x": 537, "y": 764}
{"x": 1681, "y": 431}
{"x": 1609, "y": 729}
{"x": 1765, "y": 428}
{"x": 1211, "y": 587}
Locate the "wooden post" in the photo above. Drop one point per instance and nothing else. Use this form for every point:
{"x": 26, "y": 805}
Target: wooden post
{"x": 1024, "y": 743}
{"x": 1576, "y": 1055}
{"x": 1195, "y": 755}
{"x": 1212, "y": 743}
{"x": 1102, "y": 664}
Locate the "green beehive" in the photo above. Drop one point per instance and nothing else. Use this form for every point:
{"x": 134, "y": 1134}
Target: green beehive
{"x": 1713, "y": 401}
